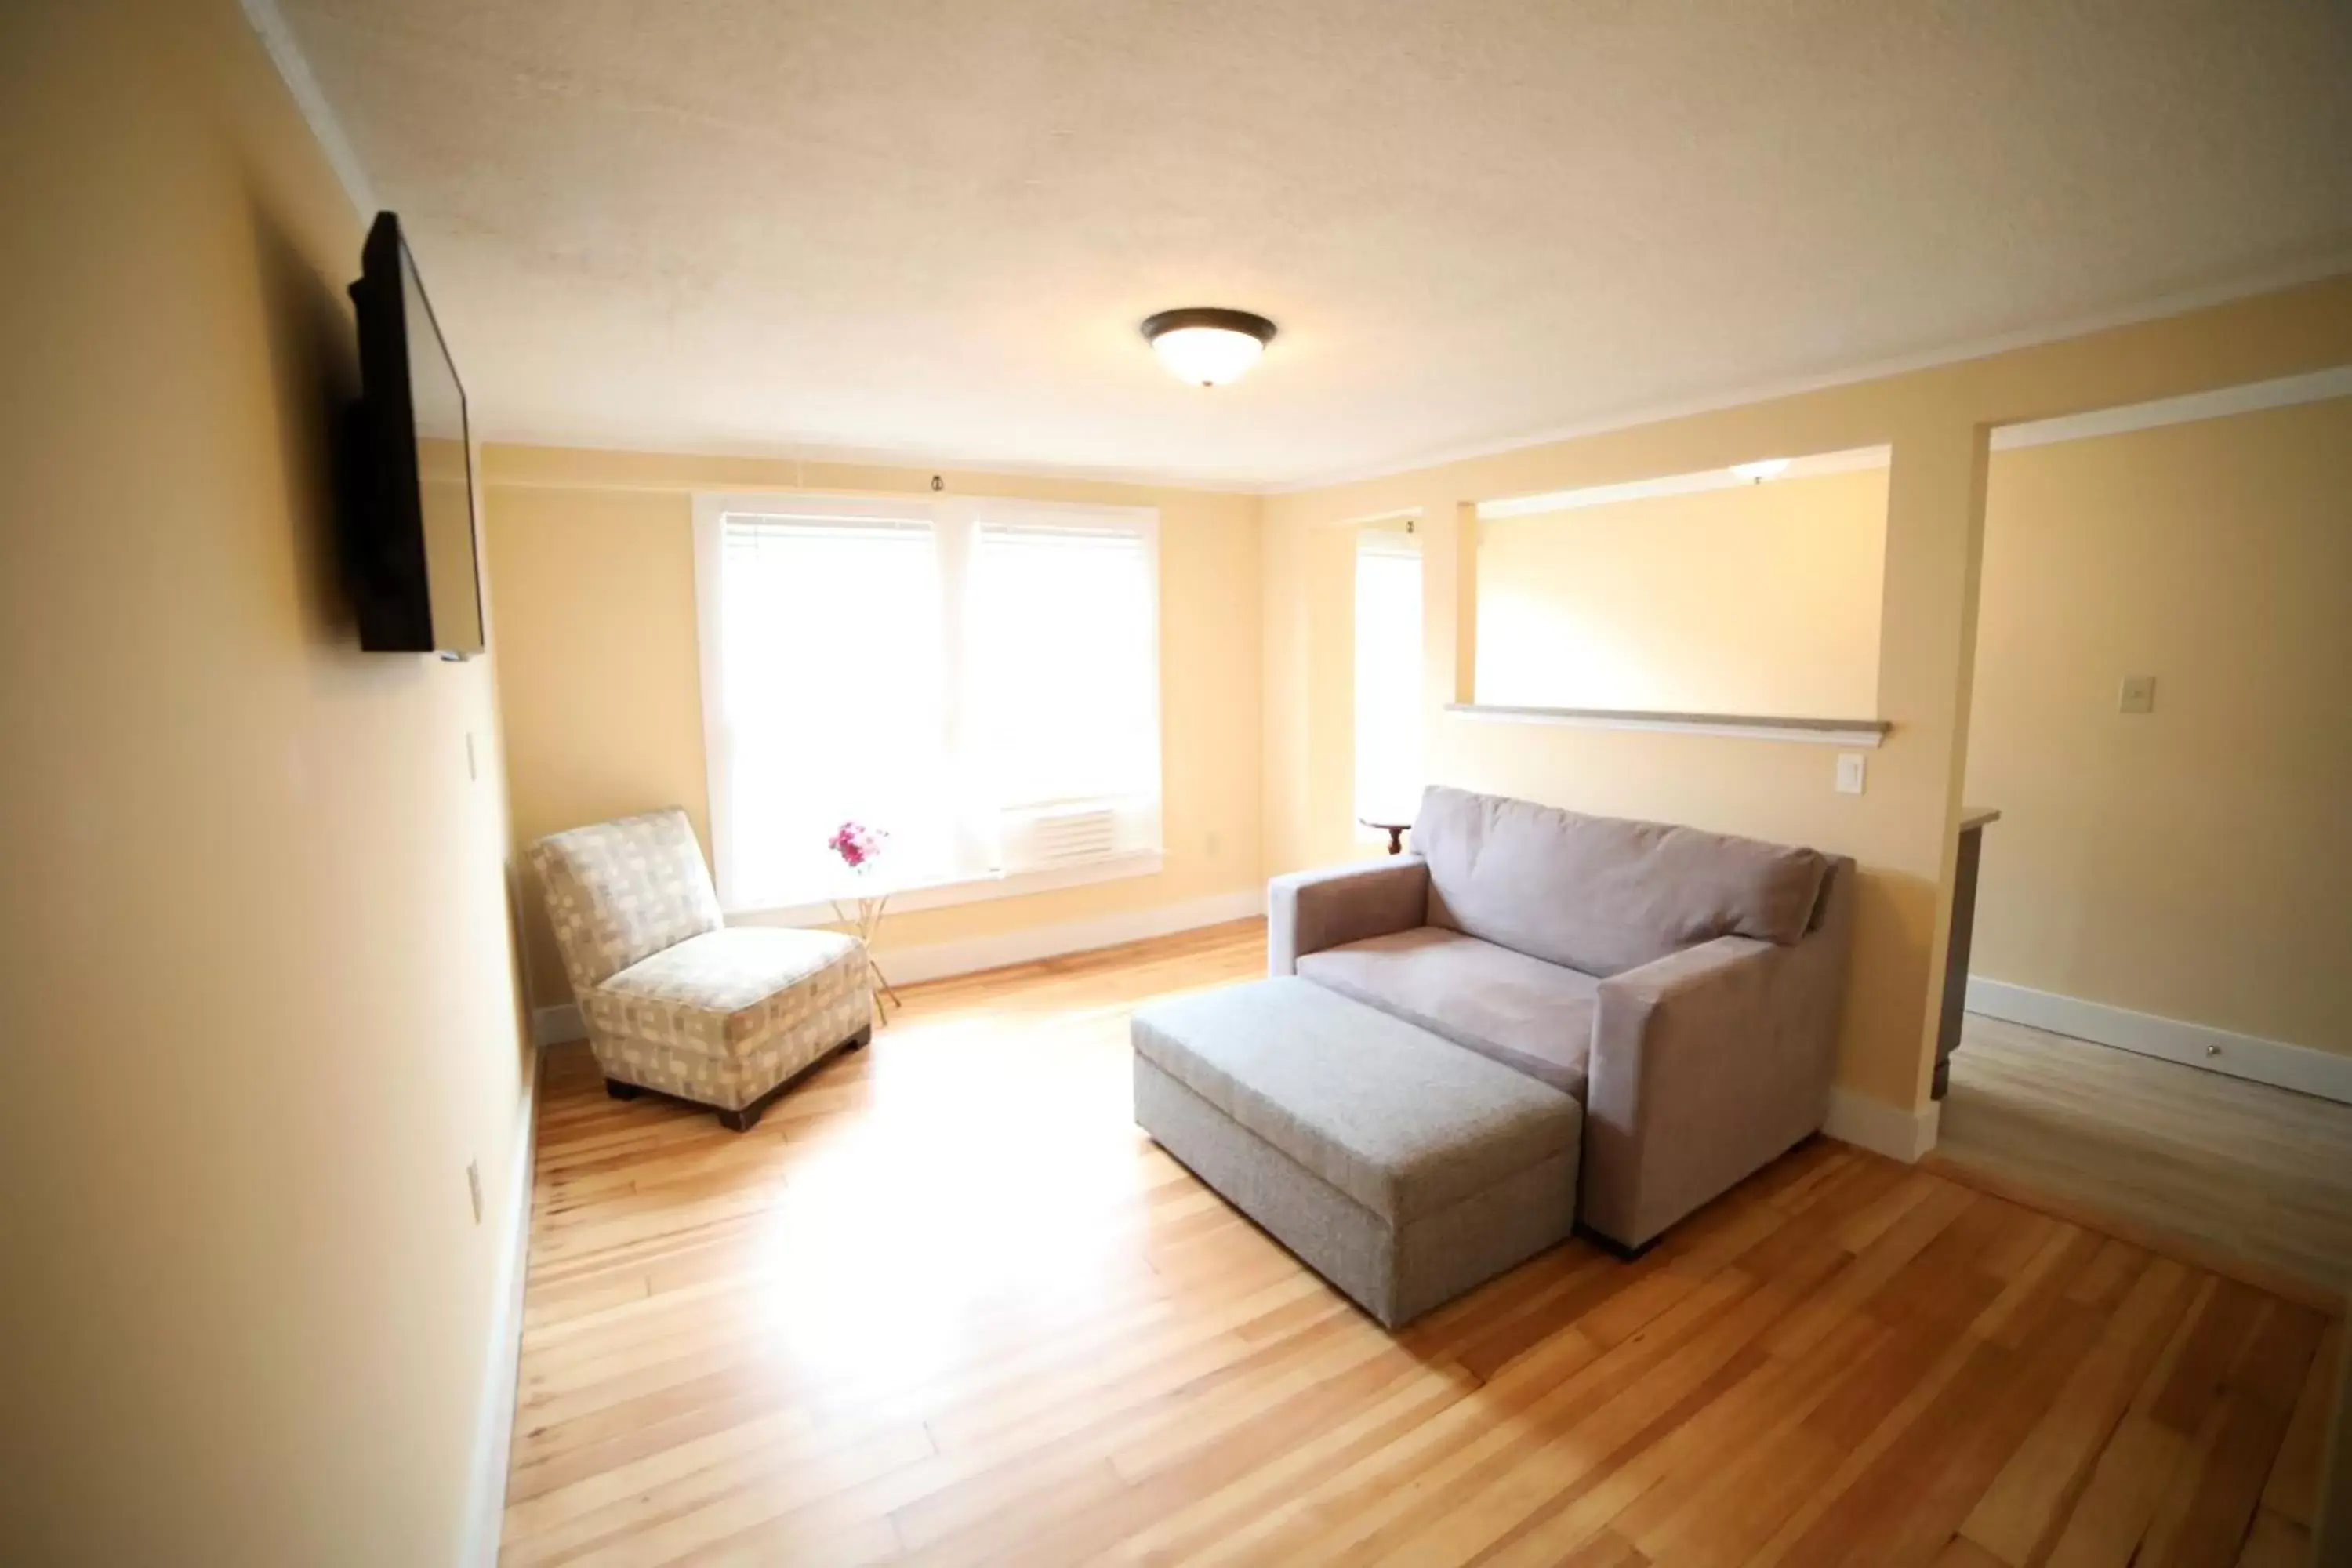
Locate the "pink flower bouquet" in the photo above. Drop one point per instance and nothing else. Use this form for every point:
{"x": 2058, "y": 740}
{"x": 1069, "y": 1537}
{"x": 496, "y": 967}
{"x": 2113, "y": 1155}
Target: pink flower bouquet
{"x": 856, "y": 844}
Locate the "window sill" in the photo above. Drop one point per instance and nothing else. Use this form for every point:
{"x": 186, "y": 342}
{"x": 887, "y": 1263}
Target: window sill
{"x": 1744, "y": 726}
{"x": 907, "y": 898}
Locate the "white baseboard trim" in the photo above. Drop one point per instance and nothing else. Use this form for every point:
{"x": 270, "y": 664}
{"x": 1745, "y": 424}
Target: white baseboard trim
{"x": 494, "y": 1432}
{"x": 2299, "y": 1067}
{"x": 939, "y": 960}
{"x": 1881, "y": 1128}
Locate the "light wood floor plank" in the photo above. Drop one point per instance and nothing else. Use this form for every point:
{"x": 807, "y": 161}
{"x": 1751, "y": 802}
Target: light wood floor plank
{"x": 947, "y": 1305}
{"x": 2292, "y": 1489}
{"x": 2275, "y": 1541}
{"x": 2233, "y": 1169}
{"x": 2136, "y": 1468}
{"x": 2021, "y": 1510}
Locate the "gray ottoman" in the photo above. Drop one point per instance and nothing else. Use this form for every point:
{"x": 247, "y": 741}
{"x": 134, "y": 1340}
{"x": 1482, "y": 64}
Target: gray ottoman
{"x": 1399, "y": 1166}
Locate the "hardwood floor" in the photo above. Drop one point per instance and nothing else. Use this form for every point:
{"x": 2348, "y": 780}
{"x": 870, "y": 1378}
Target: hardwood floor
{"x": 2238, "y": 1170}
{"x": 947, "y": 1305}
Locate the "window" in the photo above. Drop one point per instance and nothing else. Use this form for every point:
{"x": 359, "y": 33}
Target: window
{"x": 1062, "y": 632}
{"x": 1388, "y": 675}
{"x": 981, "y": 679}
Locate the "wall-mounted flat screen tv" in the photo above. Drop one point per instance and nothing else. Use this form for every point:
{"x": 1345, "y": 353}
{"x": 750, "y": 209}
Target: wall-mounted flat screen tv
{"x": 409, "y": 492}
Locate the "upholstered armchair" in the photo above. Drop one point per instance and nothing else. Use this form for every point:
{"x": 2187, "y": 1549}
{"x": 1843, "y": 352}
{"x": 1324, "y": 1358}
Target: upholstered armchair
{"x": 675, "y": 999}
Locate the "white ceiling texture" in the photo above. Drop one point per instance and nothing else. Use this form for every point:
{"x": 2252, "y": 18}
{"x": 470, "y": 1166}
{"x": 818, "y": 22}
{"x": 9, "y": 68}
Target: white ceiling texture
{"x": 928, "y": 230}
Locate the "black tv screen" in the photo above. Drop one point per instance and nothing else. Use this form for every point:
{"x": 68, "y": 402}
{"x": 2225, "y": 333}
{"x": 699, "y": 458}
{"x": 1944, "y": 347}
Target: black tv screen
{"x": 416, "y": 584}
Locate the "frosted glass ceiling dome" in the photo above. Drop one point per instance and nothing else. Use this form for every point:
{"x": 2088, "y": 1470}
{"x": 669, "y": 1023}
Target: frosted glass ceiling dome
{"x": 1206, "y": 345}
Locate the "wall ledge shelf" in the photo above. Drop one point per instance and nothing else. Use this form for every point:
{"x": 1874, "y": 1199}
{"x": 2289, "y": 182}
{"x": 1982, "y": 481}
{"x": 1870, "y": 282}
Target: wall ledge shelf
{"x": 1744, "y": 726}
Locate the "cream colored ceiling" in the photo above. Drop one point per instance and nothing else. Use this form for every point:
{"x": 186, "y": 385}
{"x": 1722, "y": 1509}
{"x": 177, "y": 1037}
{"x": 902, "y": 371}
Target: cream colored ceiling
{"x": 930, "y": 230}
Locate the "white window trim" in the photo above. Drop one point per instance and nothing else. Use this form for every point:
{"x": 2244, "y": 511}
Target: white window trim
{"x": 944, "y": 512}
{"x": 1403, "y": 544}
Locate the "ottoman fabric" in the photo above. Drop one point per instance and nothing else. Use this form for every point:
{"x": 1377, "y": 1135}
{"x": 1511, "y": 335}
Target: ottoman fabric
{"x": 1400, "y": 1119}
{"x": 1402, "y": 1168}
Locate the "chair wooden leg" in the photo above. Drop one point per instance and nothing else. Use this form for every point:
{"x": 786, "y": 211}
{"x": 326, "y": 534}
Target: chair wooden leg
{"x": 742, "y": 1120}
{"x": 620, "y": 1091}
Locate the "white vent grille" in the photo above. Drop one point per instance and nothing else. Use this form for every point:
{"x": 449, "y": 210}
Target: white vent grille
{"x": 1069, "y": 832}
{"x": 1065, "y": 838}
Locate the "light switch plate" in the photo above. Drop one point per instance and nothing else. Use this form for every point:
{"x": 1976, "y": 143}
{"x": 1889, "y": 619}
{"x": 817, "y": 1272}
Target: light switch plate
{"x": 2138, "y": 695}
{"x": 1849, "y": 773}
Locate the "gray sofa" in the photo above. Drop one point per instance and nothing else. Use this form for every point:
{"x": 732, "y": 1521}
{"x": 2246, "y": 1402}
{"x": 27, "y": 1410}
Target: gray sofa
{"x": 1683, "y": 987}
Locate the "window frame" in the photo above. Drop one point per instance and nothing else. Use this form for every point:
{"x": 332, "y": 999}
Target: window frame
{"x": 955, "y": 521}
{"x": 1373, "y": 539}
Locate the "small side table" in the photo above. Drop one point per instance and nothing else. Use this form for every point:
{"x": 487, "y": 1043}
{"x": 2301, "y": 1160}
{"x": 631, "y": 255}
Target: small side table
{"x": 867, "y": 923}
{"x": 1395, "y": 830}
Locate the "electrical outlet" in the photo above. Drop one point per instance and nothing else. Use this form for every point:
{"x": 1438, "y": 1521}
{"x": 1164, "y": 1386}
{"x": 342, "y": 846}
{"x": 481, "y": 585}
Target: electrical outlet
{"x": 1849, "y": 773}
{"x": 474, "y": 1186}
{"x": 2138, "y": 695}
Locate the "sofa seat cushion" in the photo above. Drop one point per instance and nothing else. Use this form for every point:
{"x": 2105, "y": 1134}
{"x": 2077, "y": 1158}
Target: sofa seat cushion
{"x": 1399, "y": 1119}
{"x": 1603, "y": 894}
{"x": 726, "y": 991}
{"x": 1530, "y": 1015}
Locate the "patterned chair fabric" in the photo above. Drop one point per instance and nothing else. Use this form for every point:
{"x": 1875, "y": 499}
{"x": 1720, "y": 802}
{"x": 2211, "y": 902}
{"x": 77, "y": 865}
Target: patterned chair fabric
{"x": 672, "y": 998}
{"x": 620, "y": 892}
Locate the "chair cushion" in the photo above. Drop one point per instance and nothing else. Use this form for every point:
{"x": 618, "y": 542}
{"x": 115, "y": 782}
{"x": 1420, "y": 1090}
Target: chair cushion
{"x": 727, "y": 990}
{"x": 621, "y": 891}
{"x": 1381, "y": 1109}
{"x": 1600, "y": 893}
{"x": 1530, "y": 1015}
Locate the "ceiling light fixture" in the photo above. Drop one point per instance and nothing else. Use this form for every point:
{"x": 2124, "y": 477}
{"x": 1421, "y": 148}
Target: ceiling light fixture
{"x": 1762, "y": 469}
{"x": 1206, "y": 345}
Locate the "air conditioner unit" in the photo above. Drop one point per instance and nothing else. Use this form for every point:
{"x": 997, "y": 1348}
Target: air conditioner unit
{"x": 1066, "y": 834}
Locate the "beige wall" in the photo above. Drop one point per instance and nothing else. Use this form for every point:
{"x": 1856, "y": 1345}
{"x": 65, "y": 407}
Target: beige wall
{"x": 2195, "y": 862}
{"x": 592, "y": 566}
{"x": 1759, "y": 599}
{"x": 254, "y": 935}
{"x": 1903, "y": 830}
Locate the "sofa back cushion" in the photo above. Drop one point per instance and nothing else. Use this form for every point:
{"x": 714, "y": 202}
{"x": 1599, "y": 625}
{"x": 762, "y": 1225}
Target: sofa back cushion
{"x": 1600, "y": 893}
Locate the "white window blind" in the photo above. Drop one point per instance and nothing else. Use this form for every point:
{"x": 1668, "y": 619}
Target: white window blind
{"x": 978, "y": 680}
{"x": 1064, "y": 714}
{"x": 1388, "y": 676}
{"x": 833, "y": 703}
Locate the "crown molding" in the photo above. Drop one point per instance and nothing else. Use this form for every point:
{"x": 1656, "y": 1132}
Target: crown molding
{"x": 2254, "y": 285}
{"x": 2281, "y": 393}
{"x": 294, "y": 69}
{"x": 2249, "y": 398}
{"x": 802, "y": 456}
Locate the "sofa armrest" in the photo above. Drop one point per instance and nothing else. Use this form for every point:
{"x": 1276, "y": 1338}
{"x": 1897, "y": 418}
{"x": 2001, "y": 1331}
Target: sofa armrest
{"x": 1707, "y": 1065}
{"x": 1308, "y": 912}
